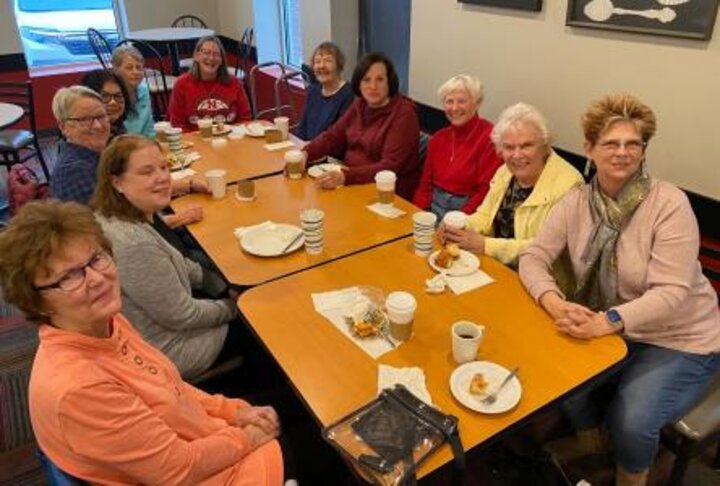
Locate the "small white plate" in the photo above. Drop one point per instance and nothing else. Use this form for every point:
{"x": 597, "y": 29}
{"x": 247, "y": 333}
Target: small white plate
{"x": 466, "y": 264}
{"x": 494, "y": 374}
{"x": 256, "y": 129}
{"x": 270, "y": 240}
{"x": 319, "y": 169}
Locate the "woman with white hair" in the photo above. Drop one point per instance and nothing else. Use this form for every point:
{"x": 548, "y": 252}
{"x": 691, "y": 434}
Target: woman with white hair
{"x": 522, "y": 192}
{"x": 129, "y": 63}
{"x": 460, "y": 159}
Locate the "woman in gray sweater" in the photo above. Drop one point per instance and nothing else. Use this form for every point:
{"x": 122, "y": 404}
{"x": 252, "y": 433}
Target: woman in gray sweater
{"x": 156, "y": 279}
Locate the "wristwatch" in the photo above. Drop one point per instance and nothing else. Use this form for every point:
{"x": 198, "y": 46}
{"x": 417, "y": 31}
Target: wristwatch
{"x": 615, "y": 320}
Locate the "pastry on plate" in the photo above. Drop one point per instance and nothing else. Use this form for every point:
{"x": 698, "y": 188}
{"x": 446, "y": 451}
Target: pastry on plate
{"x": 478, "y": 385}
{"x": 447, "y": 255}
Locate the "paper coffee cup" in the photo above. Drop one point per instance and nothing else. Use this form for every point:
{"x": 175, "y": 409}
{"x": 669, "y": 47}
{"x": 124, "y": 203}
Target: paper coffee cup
{"x": 295, "y": 163}
{"x": 401, "y": 307}
{"x": 216, "y": 182}
{"x": 466, "y": 339}
{"x": 205, "y": 125}
{"x": 385, "y": 183}
{"x": 455, "y": 219}
{"x": 282, "y": 123}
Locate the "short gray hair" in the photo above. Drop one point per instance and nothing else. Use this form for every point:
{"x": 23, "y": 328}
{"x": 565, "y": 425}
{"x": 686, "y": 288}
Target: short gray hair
{"x": 123, "y": 51}
{"x": 65, "y": 97}
{"x": 520, "y": 113}
{"x": 462, "y": 82}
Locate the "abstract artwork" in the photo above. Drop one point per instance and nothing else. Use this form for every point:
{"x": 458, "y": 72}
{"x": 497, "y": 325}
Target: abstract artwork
{"x": 679, "y": 18}
{"x": 534, "y": 5}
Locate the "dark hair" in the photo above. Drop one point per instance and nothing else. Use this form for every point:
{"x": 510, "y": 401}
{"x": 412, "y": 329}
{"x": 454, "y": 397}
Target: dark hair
{"x": 36, "y": 235}
{"x": 333, "y": 50}
{"x": 364, "y": 66}
{"x": 96, "y": 79}
{"x": 222, "y": 74}
{"x": 107, "y": 200}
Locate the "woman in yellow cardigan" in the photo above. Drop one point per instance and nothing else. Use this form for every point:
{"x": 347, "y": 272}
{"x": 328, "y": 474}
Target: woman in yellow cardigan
{"x": 522, "y": 192}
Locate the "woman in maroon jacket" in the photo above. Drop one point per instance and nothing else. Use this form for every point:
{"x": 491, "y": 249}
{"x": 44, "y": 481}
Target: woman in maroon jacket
{"x": 379, "y": 131}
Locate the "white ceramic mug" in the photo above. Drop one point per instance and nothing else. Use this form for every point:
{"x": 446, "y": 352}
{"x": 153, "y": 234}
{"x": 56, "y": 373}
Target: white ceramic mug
{"x": 216, "y": 182}
{"x": 466, "y": 339}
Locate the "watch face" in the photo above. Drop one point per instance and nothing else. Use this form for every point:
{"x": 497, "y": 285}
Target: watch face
{"x": 613, "y": 316}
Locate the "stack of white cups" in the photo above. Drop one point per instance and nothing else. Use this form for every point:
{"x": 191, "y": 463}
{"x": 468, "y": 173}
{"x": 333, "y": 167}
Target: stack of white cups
{"x": 424, "y": 232}
{"x": 174, "y": 139}
{"x": 312, "y": 222}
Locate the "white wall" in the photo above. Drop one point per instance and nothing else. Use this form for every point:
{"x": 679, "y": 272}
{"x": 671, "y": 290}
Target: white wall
{"x": 344, "y": 25}
{"x": 535, "y": 58}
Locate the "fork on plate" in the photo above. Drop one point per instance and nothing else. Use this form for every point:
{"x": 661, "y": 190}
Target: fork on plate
{"x": 491, "y": 398}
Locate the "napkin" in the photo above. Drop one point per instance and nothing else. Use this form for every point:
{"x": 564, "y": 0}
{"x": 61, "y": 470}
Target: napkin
{"x": 182, "y": 174}
{"x": 279, "y": 145}
{"x": 386, "y": 210}
{"x": 466, "y": 283}
{"x": 240, "y": 231}
{"x": 335, "y": 304}
{"x": 412, "y": 378}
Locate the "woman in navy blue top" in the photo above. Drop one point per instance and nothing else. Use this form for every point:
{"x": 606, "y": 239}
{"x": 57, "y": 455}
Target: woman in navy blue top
{"x": 327, "y": 99}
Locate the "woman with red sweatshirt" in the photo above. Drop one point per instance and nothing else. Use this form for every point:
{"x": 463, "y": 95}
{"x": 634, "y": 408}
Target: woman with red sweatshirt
{"x": 380, "y": 131}
{"x": 461, "y": 159}
{"x": 207, "y": 91}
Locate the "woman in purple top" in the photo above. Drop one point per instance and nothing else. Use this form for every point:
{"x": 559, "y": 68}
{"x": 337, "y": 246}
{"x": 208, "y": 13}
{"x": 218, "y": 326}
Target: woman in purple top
{"x": 328, "y": 99}
{"x": 633, "y": 242}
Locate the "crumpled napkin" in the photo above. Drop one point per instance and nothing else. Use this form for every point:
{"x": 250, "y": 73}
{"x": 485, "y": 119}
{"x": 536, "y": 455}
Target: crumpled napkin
{"x": 386, "y": 210}
{"x": 412, "y": 378}
{"x": 459, "y": 285}
{"x": 182, "y": 174}
{"x": 240, "y": 231}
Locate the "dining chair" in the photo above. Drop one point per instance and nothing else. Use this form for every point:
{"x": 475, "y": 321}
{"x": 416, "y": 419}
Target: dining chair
{"x": 101, "y": 47}
{"x": 19, "y": 145}
{"x": 290, "y": 88}
{"x": 159, "y": 82}
{"x": 188, "y": 47}
{"x": 251, "y": 82}
{"x": 243, "y": 55}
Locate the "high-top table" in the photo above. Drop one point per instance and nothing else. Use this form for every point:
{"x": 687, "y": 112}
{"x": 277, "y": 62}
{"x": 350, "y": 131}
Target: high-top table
{"x": 171, "y": 36}
{"x": 9, "y": 114}
{"x": 349, "y": 226}
{"x": 333, "y": 376}
{"x": 246, "y": 158}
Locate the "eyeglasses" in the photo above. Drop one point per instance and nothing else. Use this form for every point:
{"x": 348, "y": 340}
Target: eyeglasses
{"x": 87, "y": 121}
{"x": 525, "y": 148}
{"x": 632, "y": 146}
{"x": 75, "y": 277}
{"x": 116, "y": 97}
{"x": 207, "y": 53}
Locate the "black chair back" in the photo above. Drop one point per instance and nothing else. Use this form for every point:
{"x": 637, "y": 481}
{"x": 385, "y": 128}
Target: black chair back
{"x": 159, "y": 82}
{"x": 189, "y": 21}
{"x": 101, "y": 47}
{"x": 244, "y": 55}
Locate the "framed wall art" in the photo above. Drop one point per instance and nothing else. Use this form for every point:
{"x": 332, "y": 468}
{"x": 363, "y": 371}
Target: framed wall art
{"x": 678, "y": 18}
{"x": 533, "y": 5}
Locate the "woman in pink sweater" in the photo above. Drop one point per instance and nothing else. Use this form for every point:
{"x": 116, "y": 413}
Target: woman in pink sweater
{"x": 106, "y": 407}
{"x": 380, "y": 131}
{"x": 633, "y": 242}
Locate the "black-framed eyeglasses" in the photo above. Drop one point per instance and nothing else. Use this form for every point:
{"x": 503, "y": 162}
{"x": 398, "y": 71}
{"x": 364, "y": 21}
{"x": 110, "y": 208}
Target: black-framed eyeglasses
{"x": 87, "y": 121}
{"x": 75, "y": 277}
{"x": 116, "y": 97}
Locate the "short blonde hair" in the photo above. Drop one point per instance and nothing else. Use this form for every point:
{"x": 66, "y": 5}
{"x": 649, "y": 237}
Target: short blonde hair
{"x": 34, "y": 236}
{"x": 462, "y": 82}
{"x": 66, "y": 97}
{"x": 520, "y": 114}
{"x": 605, "y": 112}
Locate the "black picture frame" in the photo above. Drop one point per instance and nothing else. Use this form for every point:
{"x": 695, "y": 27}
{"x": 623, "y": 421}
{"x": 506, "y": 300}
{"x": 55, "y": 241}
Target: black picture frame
{"x": 693, "y": 19}
{"x": 532, "y": 5}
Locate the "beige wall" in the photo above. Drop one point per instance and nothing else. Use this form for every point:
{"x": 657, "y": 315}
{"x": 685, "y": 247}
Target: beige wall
{"x": 144, "y": 14}
{"x": 534, "y": 57}
{"x": 234, "y": 16}
{"x": 9, "y": 36}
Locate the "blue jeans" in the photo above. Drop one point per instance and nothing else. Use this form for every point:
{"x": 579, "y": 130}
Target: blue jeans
{"x": 655, "y": 387}
{"x": 443, "y": 201}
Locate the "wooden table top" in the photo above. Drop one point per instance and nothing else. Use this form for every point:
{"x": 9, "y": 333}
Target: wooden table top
{"x": 349, "y": 226}
{"x": 335, "y": 377}
{"x": 246, "y": 158}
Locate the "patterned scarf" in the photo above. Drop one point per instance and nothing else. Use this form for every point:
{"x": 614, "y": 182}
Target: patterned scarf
{"x": 597, "y": 288}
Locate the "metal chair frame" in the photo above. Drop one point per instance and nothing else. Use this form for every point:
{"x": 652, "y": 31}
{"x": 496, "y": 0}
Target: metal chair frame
{"x": 101, "y": 47}
{"x": 290, "y": 109}
{"x": 189, "y": 21}
{"x": 243, "y": 53}
{"x": 21, "y": 94}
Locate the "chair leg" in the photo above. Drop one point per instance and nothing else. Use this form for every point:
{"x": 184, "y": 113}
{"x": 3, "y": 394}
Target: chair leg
{"x": 682, "y": 461}
{"x": 41, "y": 158}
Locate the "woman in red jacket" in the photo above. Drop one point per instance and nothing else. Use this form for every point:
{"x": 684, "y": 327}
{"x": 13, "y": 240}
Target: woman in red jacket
{"x": 207, "y": 91}
{"x": 379, "y": 131}
{"x": 461, "y": 159}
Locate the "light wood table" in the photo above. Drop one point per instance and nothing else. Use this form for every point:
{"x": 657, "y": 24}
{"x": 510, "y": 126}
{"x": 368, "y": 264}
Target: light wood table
{"x": 246, "y": 158}
{"x": 349, "y": 226}
{"x": 334, "y": 376}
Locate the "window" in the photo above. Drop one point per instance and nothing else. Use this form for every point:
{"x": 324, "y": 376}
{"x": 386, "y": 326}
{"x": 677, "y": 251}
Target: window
{"x": 54, "y": 32}
{"x": 292, "y": 34}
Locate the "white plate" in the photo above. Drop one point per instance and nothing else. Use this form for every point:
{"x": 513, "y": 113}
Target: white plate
{"x": 494, "y": 374}
{"x": 270, "y": 240}
{"x": 255, "y": 129}
{"x": 466, "y": 264}
{"x": 319, "y": 169}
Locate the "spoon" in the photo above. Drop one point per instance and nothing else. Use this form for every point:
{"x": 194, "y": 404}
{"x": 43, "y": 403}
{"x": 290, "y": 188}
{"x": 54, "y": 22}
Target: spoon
{"x": 602, "y": 10}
